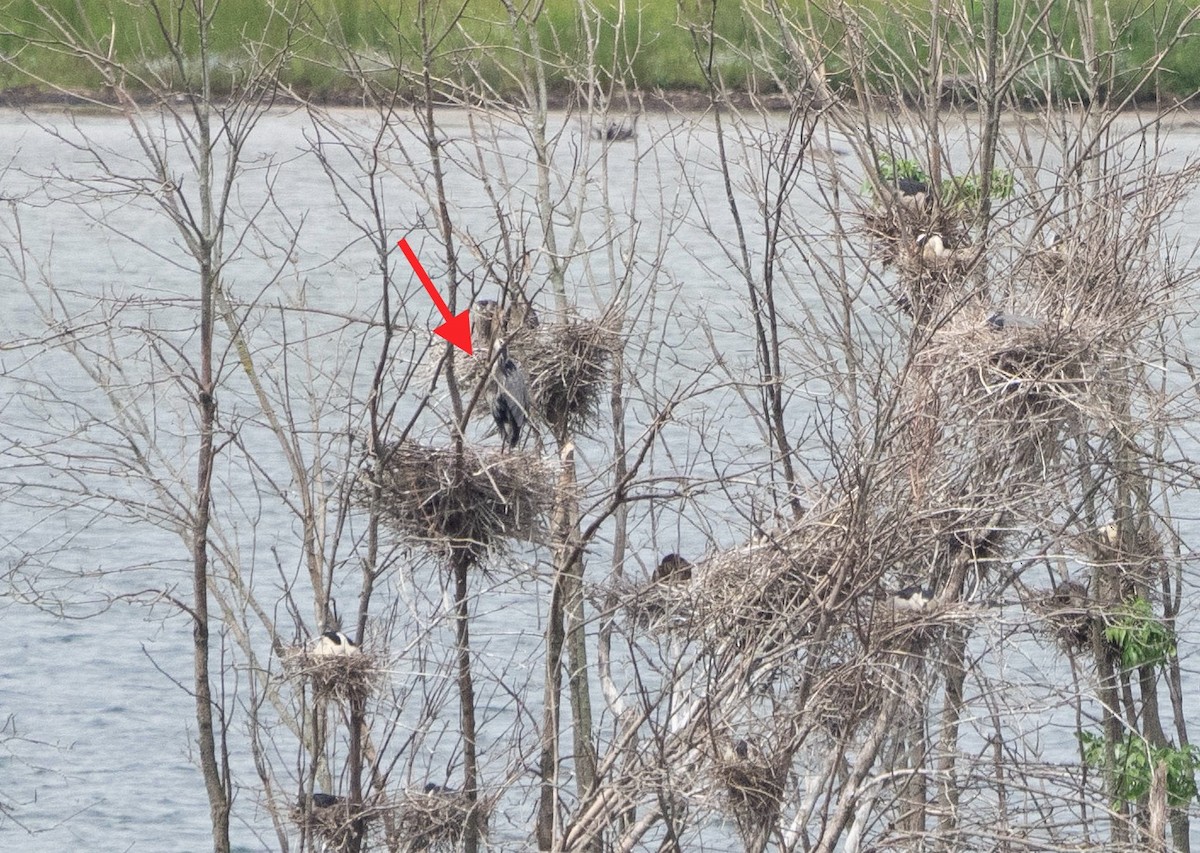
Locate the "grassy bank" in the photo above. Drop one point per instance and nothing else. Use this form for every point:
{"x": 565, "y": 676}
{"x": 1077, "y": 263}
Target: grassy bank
{"x": 650, "y": 46}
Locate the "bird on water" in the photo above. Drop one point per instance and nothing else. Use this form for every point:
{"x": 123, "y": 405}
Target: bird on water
{"x": 510, "y": 396}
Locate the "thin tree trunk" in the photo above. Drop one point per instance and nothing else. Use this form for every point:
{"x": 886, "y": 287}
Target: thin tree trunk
{"x": 461, "y": 561}
{"x": 947, "y": 761}
{"x": 548, "y": 763}
{"x": 576, "y": 638}
{"x": 218, "y": 802}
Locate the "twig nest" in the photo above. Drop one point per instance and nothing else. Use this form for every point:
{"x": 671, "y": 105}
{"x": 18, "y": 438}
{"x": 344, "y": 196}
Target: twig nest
{"x": 930, "y": 267}
{"x": 337, "y": 674}
{"x": 896, "y": 222}
{"x": 568, "y": 364}
{"x": 1069, "y": 616}
{"x": 472, "y": 501}
{"x": 845, "y": 695}
{"x": 329, "y": 818}
{"x": 769, "y": 590}
{"x": 433, "y": 819}
{"x": 1038, "y": 368}
{"x": 753, "y": 784}
{"x": 655, "y": 606}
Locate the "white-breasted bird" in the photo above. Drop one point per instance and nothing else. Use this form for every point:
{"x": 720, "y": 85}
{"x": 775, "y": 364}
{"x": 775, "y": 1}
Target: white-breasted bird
{"x": 914, "y": 599}
{"x": 934, "y": 251}
{"x": 334, "y": 644}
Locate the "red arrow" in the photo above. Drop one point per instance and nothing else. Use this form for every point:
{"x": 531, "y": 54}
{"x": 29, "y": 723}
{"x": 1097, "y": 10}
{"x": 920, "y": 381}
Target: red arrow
{"x": 457, "y": 329}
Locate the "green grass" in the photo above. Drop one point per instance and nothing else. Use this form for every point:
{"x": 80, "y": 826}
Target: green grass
{"x": 653, "y": 46}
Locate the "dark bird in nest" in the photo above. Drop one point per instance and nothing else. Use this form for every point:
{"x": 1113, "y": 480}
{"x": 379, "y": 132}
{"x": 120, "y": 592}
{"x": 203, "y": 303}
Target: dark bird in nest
{"x": 913, "y": 193}
{"x": 510, "y": 396}
{"x": 434, "y": 788}
{"x": 616, "y": 131}
{"x": 673, "y": 568}
{"x": 334, "y": 644}
{"x": 913, "y": 599}
{"x": 910, "y": 192}
{"x": 325, "y": 801}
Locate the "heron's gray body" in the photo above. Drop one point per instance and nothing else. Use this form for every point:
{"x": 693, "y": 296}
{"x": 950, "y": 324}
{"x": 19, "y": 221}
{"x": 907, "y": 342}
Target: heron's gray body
{"x": 510, "y": 397}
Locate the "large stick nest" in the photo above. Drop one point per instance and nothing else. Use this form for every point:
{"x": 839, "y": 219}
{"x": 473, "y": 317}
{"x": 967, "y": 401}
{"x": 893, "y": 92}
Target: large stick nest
{"x": 331, "y": 819}
{"x": 1070, "y": 615}
{"x": 753, "y": 784}
{"x": 348, "y": 677}
{"x": 569, "y": 369}
{"x": 893, "y": 226}
{"x": 1042, "y": 368}
{"x": 434, "y": 819}
{"x": 766, "y": 595}
{"x": 471, "y": 501}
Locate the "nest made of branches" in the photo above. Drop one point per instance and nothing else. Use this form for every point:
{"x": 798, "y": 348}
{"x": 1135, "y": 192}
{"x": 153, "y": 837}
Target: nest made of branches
{"x": 333, "y": 823}
{"x": 568, "y": 365}
{"x": 1069, "y": 615}
{"x": 650, "y": 604}
{"x": 844, "y": 696}
{"x": 470, "y": 502}
{"x": 929, "y": 283}
{"x": 893, "y": 227}
{"x": 765, "y": 596}
{"x": 1039, "y": 369}
{"x": 434, "y": 820}
{"x": 753, "y": 784}
{"x": 349, "y": 677}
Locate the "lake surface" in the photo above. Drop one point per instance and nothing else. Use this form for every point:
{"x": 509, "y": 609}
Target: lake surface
{"x": 97, "y": 753}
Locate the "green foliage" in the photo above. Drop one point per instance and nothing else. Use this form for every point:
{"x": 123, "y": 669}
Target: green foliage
{"x": 1135, "y": 761}
{"x": 962, "y": 191}
{"x": 967, "y": 190}
{"x": 1138, "y": 636}
{"x": 649, "y": 44}
{"x": 891, "y": 168}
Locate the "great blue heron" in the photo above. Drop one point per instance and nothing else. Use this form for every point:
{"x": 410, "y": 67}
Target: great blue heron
{"x": 488, "y": 322}
{"x": 672, "y": 568}
{"x": 333, "y": 644}
{"x": 510, "y": 396}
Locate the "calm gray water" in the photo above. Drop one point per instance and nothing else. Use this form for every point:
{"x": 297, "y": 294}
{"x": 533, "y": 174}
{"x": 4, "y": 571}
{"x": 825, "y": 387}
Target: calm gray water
{"x": 97, "y": 754}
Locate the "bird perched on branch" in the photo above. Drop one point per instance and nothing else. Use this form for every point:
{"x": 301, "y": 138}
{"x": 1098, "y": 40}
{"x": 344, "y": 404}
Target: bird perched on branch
{"x": 334, "y": 644}
{"x": 510, "y": 396}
